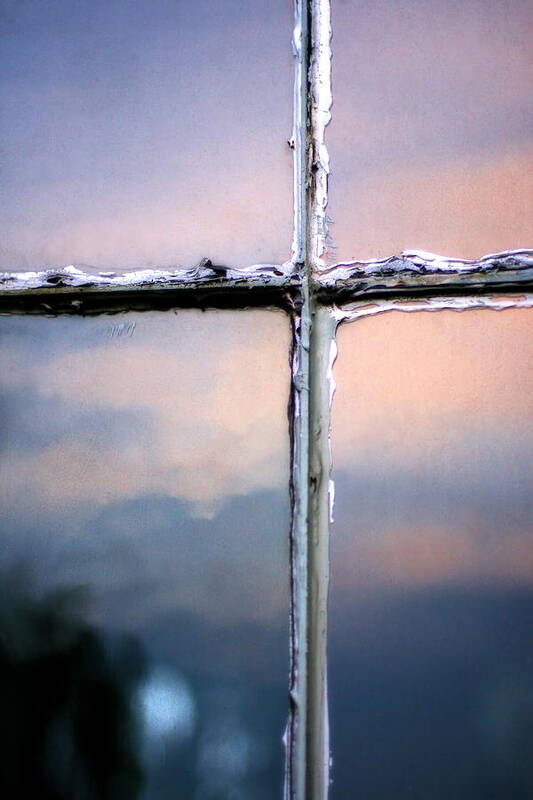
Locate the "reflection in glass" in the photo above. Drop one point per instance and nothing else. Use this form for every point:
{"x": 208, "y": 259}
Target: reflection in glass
{"x": 143, "y": 556}
{"x": 430, "y": 140}
{"x": 138, "y": 133}
{"x": 431, "y": 600}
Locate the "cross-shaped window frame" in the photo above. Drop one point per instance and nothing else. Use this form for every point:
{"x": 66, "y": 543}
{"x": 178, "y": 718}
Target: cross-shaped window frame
{"x": 317, "y": 298}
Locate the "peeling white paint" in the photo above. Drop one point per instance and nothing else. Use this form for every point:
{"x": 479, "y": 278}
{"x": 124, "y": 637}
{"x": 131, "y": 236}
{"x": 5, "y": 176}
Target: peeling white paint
{"x": 440, "y": 262}
{"x": 332, "y": 388}
{"x": 298, "y": 419}
{"x": 423, "y": 263}
{"x": 309, "y": 740}
{"x": 320, "y": 115}
{"x": 331, "y": 492}
{"x": 372, "y": 273}
{"x": 298, "y": 138}
{"x": 205, "y": 273}
{"x": 370, "y": 309}
{"x": 296, "y": 740}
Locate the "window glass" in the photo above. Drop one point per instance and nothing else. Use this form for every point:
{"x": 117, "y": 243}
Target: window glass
{"x": 431, "y": 600}
{"x": 144, "y": 555}
{"x": 142, "y": 133}
{"x": 430, "y": 140}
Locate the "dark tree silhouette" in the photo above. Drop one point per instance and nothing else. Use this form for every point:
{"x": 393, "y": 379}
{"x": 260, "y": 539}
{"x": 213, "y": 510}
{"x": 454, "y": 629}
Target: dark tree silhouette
{"x": 67, "y": 727}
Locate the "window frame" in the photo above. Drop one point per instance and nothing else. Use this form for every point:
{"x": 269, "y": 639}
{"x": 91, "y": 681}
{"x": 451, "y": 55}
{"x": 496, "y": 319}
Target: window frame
{"x": 317, "y": 299}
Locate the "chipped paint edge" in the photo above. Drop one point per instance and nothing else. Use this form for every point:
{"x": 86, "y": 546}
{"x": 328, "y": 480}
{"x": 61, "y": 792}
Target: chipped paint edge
{"x": 205, "y": 274}
{"x": 295, "y": 785}
{"x": 424, "y": 271}
{"x": 372, "y": 308}
{"x": 321, "y": 329}
{"x": 425, "y": 261}
{"x": 320, "y": 102}
{"x": 298, "y": 413}
{"x": 307, "y": 737}
{"x": 300, "y": 47}
{"x": 411, "y": 268}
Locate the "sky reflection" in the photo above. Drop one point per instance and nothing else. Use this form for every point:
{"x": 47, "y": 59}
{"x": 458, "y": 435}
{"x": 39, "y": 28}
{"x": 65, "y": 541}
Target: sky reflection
{"x": 432, "y": 557}
{"x": 145, "y": 531}
{"x": 430, "y": 139}
{"x": 145, "y": 133}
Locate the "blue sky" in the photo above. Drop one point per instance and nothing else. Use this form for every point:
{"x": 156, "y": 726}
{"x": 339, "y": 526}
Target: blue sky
{"x": 139, "y": 133}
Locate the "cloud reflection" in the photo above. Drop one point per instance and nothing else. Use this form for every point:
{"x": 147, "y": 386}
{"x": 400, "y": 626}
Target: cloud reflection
{"x": 179, "y": 420}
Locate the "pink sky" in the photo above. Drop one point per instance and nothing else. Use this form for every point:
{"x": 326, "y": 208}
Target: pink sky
{"x": 430, "y": 139}
{"x": 432, "y": 433}
{"x": 159, "y": 138}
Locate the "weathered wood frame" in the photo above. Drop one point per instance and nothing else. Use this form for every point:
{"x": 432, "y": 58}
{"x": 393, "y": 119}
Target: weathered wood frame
{"x": 317, "y": 298}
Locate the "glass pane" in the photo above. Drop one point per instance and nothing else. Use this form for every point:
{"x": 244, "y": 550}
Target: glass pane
{"x": 145, "y": 132}
{"x": 431, "y": 599}
{"x": 144, "y": 556}
{"x": 430, "y": 140}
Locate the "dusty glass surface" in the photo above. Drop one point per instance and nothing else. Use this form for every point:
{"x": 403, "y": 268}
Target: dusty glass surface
{"x": 144, "y": 555}
{"x": 430, "y": 141}
{"x": 431, "y": 601}
{"x": 143, "y": 133}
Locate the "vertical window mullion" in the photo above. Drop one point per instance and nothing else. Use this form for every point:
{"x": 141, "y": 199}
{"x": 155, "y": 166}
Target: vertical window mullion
{"x": 313, "y": 332}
